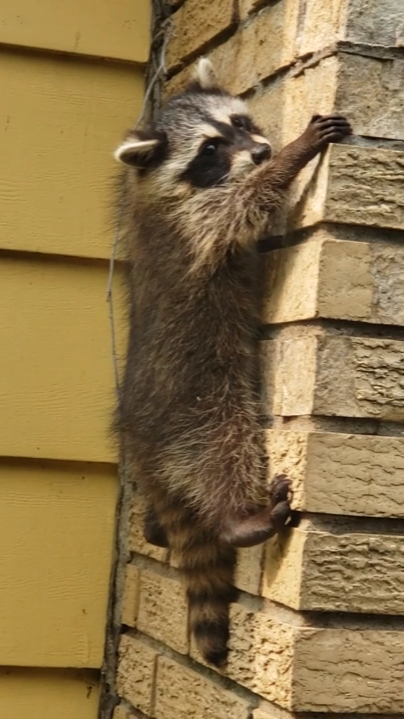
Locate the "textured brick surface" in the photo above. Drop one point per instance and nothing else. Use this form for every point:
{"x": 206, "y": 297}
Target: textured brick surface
{"x": 335, "y": 85}
{"x": 357, "y": 281}
{"x": 357, "y": 185}
{"x": 341, "y": 473}
{"x": 379, "y": 113}
{"x": 163, "y": 610}
{"x": 362, "y": 281}
{"x": 122, "y": 713}
{"x": 185, "y": 694}
{"x": 262, "y": 654}
{"x": 349, "y": 185}
{"x": 136, "y": 541}
{"x": 341, "y": 670}
{"x": 284, "y": 108}
{"x": 264, "y": 714}
{"x": 285, "y": 299}
{"x": 337, "y": 376}
{"x": 259, "y": 49}
{"x": 194, "y": 24}
{"x": 317, "y": 670}
{"x": 246, "y": 7}
{"x": 136, "y": 673}
{"x": 348, "y": 572}
{"x": 290, "y": 30}
{"x": 130, "y": 600}
{"x": 249, "y": 569}
{"x": 365, "y": 21}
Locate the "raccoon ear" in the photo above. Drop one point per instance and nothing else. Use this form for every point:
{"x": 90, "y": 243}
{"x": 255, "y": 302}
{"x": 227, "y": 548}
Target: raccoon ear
{"x": 204, "y": 74}
{"x": 141, "y": 148}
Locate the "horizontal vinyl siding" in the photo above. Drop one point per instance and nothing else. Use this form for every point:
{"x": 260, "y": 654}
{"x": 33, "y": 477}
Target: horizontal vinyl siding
{"x": 60, "y": 121}
{"x": 105, "y": 28}
{"x": 56, "y": 372}
{"x": 61, "y": 116}
{"x": 56, "y": 525}
{"x": 45, "y": 694}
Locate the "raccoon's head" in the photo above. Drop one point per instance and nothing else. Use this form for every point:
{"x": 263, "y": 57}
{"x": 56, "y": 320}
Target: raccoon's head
{"x": 203, "y": 138}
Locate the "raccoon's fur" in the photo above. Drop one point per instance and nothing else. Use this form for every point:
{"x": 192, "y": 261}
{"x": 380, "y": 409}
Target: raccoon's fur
{"x": 198, "y": 190}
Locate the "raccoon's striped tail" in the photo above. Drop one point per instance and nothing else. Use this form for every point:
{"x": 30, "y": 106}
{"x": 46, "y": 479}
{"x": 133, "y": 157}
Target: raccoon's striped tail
{"x": 208, "y": 569}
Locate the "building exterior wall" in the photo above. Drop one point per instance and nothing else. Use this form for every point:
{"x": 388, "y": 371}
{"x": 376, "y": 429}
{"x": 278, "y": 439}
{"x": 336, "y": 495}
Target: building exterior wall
{"x": 71, "y": 82}
{"x": 318, "y": 629}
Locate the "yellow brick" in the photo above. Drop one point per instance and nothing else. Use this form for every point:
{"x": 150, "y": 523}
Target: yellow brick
{"x": 177, "y": 83}
{"x": 326, "y": 277}
{"x": 163, "y": 610}
{"x": 249, "y": 569}
{"x": 247, "y": 7}
{"x": 357, "y": 185}
{"x": 185, "y": 694}
{"x": 311, "y": 669}
{"x": 262, "y": 713}
{"x": 136, "y": 541}
{"x": 348, "y": 671}
{"x": 341, "y": 473}
{"x": 381, "y": 112}
{"x": 136, "y": 673}
{"x": 130, "y": 599}
{"x": 291, "y": 282}
{"x": 122, "y": 713}
{"x": 324, "y": 571}
{"x": 361, "y": 281}
{"x": 286, "y": 106}
{"x": 194, "y": 24}
{"x": 349, "y": 184}
{"x": 261, "y": 654}
{"x": 363, "y": 21}
{"x": 244, "y": 59}
{"x": 333, "y": 85}
{"x": 339, "y": 376}
{"x": 321, "y": 22}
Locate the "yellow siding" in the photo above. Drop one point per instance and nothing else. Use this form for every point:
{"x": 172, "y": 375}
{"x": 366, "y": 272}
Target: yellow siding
{"x": 56, "y": 528}
{"x": 61, "y": 116}
{"x": 33, "y": 694}
{"x": 111, "y": 28}
{"x": 56, "y": 377}
{"x": 60, "y": 120}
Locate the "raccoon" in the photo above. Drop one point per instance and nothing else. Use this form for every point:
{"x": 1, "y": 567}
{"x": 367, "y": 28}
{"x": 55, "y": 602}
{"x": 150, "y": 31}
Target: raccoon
{"x": 199, "y": 188}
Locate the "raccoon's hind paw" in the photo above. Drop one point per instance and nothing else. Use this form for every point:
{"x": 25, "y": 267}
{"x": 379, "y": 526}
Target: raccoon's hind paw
{"x": 280, "y": 494}
{"x": 257, "y": 528}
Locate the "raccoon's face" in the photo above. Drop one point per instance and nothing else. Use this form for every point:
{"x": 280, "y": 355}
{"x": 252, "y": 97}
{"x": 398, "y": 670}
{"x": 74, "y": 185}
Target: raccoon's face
{"x": 203, "y": 138}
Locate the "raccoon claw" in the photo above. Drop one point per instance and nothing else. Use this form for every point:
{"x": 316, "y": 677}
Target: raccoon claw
{"x": 257, "y": 528}
{"x": 279, "y": 489}
{"x": 280, "y": 494}
{"x": 323, "y": 129}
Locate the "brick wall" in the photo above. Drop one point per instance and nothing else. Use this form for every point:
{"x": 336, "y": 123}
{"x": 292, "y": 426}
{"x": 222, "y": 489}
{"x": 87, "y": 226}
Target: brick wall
{"x": 318, "y": 629}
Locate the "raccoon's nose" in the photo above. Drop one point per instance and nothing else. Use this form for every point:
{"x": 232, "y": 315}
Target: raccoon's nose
{"x": 260, "y": 153}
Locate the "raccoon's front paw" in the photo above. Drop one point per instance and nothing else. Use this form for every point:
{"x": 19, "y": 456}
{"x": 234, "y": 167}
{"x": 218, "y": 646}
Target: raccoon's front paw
{"x": 280, "y": 495}
{"x": 323, "y": 129}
